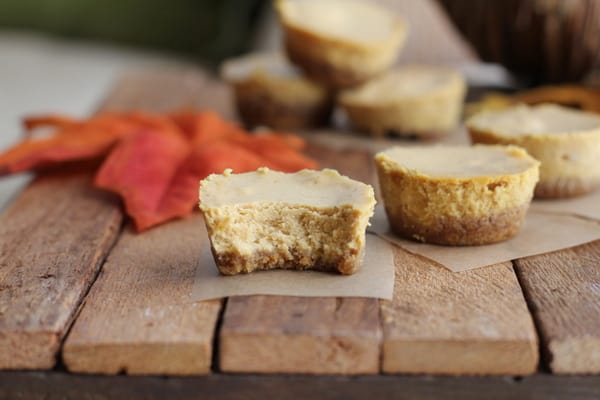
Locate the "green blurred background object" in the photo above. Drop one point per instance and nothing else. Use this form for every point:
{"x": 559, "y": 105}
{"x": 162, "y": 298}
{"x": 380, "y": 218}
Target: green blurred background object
{"x": 207, "y": 30}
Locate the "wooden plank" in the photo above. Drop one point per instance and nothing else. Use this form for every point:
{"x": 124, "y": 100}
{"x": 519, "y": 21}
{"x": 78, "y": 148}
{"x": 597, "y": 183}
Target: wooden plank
{"x": 473, "y": 322}
{"x": 273, "y": 334}
{"x": 563, "y": 291}
{"x": 138, "y": 317}
{"x": 53, "y": 239}
{"x": 61, "y": 386}
{"x": 305, "y": 335}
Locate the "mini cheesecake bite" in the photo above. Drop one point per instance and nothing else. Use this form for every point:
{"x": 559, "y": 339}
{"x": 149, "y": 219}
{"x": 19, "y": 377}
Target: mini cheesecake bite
{"x": 340, "y": 43}
{"x": 271, "y": 92}
{"x": 305, "y": 220}
{"x": 420, "y": 101}
{"x": 565, "y": 141}
{"x": 456, "y": 195}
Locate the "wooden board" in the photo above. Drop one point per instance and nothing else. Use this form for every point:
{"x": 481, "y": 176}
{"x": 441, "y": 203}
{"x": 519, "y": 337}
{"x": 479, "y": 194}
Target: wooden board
{"x": 563, "y": 290}
{"x": 473, "y": 322}
{"x": 56, "y": 234}
{"x": 52, "y": 241}
{"x": 138, "y": 316}
{"x": 300, "y": 335}
{"x": 305, "y": 335}
{"x": 62, "y": 386}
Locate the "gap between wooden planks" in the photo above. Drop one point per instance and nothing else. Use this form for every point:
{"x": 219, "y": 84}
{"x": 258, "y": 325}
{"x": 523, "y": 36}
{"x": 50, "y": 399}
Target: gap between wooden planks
{"x": 563, "y": 289}
{"x": 53, "y": 239}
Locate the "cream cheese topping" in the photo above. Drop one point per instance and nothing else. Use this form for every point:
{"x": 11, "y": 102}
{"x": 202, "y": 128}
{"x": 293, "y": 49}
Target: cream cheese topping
{"x": 405, "y": 82}
{"x": 326, "y": 188}
{"x": 460, "y": 161}
{"x": 273, "y": 64}
{"x": 532, "y": 120}
{"x": 358, "y": 21}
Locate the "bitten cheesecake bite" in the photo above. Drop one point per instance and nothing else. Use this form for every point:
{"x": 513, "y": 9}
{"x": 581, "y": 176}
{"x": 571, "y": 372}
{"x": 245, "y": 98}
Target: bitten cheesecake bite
{"x": 341, "y": 43}
{"x": 305, "y": 220}
{"x": 416, "y": 101}
{"x": 565, "y": 141}
{"x": 456, "y": 195}
{"x": 271, "y": 92}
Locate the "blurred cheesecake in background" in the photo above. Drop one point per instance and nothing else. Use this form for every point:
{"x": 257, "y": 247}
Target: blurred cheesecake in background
{"x": 271, "y": 92}
{"x": 419, "y": 101}
{"x": 565, "y": 141}
{"x": 341, "y": 43}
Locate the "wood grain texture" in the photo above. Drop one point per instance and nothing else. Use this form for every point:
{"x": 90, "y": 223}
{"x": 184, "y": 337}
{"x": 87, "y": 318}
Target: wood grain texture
{"x": 563, "y": 290}
{"x": 473, "y": 322}
{"x": 300, "y": 335}
{"x": 268, "y": 334}
{"x": 138, "y": 316}
{"x": 52, "y": 241}
{"x": 167, "y": 89}
{"x": 62, "y": 386}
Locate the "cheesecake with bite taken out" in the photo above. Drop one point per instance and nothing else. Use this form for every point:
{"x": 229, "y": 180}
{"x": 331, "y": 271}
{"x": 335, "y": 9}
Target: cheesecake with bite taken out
{"x": 456, "y": 195}
{"x": 305, "y": 220}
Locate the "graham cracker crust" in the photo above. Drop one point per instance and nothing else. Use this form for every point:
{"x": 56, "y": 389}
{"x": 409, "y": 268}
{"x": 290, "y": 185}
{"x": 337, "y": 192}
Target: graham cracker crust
{"x": 233, "y": 264}
{"x": 323, "y": 71}
{"x": 259, "y": 109}
{"x": 464, "y": 231}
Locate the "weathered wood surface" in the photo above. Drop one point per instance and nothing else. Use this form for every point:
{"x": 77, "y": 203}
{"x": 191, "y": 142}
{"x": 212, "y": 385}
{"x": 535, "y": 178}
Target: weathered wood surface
{"x": 168, "y": 89}
{"x": 61, "y": 386}
{"x": 469, "y": 323}
{"x": 305, "y": 335}
{"x": 473, "y": 322}
{"x": 53, "y": 239}
{"x": 56, "y": 234}
{"x": 138, "y": 316}
{"x": 563, "y": 290}
{"x": 300, "y": 335}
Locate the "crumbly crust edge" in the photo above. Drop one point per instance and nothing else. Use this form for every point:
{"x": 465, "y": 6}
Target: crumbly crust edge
{"x": 465, "y": 231}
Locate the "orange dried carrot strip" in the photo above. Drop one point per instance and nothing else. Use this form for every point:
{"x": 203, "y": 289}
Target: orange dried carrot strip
{"x": 36, "y": 153}
{"x": 181, "y": 197}
{"x": 202, "y": 127}
{"x": 156, "y": 160}
{"x": 275, "y": 148}
{"x": 75, "y": 140}
{"x": 157, "y": 176}
{"x": 295, "y": 142}
{"x": 216, "y": 157}
{"x": 141, "y": 169}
